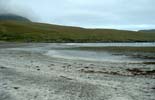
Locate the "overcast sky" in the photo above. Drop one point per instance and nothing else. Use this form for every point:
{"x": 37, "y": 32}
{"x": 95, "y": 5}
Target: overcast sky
{"x": 118, "y": 14}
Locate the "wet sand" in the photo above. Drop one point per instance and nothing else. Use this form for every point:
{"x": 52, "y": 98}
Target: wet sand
{"x": 27, "y": 73}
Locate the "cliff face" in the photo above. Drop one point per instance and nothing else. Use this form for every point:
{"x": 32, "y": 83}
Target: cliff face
{"x": 4, "y": 17}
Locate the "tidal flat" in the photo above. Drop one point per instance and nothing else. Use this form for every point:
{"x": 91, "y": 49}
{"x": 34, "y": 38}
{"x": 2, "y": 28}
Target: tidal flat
{"x": 66, "y": 71}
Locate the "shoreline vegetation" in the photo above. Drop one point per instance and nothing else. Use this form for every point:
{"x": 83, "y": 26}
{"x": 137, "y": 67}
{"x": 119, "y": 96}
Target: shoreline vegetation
{"x": 18, "y": 31}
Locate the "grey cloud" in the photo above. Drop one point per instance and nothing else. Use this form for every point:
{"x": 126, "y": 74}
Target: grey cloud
{"x": 97, "y": 13}
{"x": 122, "y": 14}
{"x": 10, "y": 7}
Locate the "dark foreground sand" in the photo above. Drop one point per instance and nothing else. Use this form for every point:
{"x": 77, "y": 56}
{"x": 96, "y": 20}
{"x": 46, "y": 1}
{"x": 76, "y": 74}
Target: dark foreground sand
{"x": 27, "y": 74}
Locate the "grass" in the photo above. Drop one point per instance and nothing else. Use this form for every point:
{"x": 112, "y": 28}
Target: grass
{"x": 16, "y": 31}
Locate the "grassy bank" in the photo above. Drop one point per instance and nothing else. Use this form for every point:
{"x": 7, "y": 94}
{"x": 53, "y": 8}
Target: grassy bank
{"x": 16, "y": 31}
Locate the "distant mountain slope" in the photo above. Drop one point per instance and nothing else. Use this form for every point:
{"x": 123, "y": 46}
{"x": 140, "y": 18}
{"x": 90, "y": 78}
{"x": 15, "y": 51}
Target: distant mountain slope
{"x": 150, "y": 31}
{"x": 4, "y": 17}
{"x": 18, "y": 31}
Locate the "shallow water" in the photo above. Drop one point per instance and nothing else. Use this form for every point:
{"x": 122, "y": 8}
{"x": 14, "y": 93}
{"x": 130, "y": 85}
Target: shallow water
{"x": 135, "y": 44}
{"x": 59, "y": 51}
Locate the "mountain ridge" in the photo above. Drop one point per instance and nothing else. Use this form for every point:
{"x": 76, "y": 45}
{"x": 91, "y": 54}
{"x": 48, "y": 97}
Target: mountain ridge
{"x": 13, "y": 17}
{"x": 148, "y": 30}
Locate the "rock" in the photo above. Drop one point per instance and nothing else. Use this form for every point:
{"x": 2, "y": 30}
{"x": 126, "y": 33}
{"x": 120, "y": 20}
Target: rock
{"x": 52, "y": 65}
{"x": 37, "y": 66}
{"x": 16, "y": 88}
{"x": 2, "y": 67}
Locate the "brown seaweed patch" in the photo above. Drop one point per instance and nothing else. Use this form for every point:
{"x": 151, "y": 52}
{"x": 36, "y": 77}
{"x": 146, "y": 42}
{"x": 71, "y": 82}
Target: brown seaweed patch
{"x": 149, "y": 63}
{"x": 100, "y": 72}
{"x": 137, "y": 71}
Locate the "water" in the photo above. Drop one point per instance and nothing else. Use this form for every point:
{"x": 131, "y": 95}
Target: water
{"x": 102, "y": 56}
{"x": 86, "y": 55}
{"x": 138, "y": 44}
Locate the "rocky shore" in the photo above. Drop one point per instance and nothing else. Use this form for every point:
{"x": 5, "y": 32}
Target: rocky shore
{"x": 26, "y": 73}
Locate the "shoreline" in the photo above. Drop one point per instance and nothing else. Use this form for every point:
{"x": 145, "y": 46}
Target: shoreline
{"x": 26, "y": 73}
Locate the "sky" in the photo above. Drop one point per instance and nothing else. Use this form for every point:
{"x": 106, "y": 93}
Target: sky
{"x": 116, "y": 14}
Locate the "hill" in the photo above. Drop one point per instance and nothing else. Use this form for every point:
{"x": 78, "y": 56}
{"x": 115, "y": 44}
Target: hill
{"x": 148, "y": 31}
{"x": 14, "y": 17}
{"x": 19, "y": 31}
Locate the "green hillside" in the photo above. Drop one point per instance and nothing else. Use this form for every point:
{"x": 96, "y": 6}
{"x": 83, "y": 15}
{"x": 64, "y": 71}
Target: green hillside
{"x": 18, "y": 31}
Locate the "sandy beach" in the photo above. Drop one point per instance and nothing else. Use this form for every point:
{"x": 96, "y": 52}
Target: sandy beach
{"x": 27, "y": 72}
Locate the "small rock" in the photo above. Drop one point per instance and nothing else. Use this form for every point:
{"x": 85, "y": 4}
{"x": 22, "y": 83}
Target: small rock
{"x": 69, "y": 65}
{"x": 153, "y": 88}
{"x": 2, "y": 67}
{"x": 37, "y": 66}
{"x": 16, "y": 88}
{"x": 66, "y": 78}
{"x": 64, "y": 66}
{"x": 86, "y": 67}
{"x": 52, "y": 65}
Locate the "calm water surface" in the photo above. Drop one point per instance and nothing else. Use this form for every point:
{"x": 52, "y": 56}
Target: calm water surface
{"x": 103, "y": 56}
